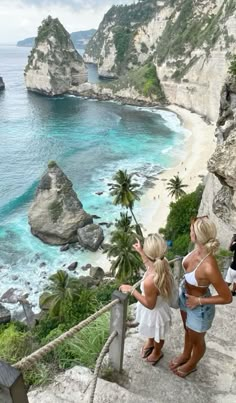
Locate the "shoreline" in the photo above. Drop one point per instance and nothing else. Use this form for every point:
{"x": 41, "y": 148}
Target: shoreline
{"x": 198, "y": 147}
{"x": 154, "y": 203}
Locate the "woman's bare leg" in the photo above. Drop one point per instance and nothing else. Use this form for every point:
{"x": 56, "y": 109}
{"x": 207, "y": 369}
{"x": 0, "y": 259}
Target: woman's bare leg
{"x": 198, "y": 351}
{"x": 147, "y": 345}
{"x": 188, "y": 346}
{"x": 156, "y": 353}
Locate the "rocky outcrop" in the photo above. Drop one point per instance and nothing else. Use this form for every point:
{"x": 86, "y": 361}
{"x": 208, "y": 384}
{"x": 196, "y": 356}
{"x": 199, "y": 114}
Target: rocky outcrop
{"x": 2, "y": 85}
{"x": 54, "y": 66}
{"x": 56, "y": 212}
{"x": 219, "y": 196}
{"x": 190, "y": 43}
{"x": 91, "y": 236}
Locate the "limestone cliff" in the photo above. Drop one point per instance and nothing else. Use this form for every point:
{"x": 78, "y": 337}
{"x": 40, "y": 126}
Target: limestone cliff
{"x": 189, "y": 41}
{"x": 54, "y": 66}
{"x": 219, "y": 197}
{"x": 2, "y": 85}
{"x": 56, "y": 212}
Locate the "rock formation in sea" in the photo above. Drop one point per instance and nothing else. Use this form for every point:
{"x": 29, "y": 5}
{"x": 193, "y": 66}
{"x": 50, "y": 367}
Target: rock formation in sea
{"x": 54, "y": 66}
{"x": 2, "y": 85}
{"x": 56, "y": 213}
{"x": 190, "y": 44}
{"x": 219, "y": 196}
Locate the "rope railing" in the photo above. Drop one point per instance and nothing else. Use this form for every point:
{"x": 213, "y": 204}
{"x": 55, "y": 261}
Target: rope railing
{"x": 102, "y": 354}
{"x": 30, "y": 360}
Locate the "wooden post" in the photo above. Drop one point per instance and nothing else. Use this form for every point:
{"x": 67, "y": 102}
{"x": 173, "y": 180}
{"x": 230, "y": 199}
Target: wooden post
{"x": 118, "y": 323}
{"x": 12, "y": 387}
{"x": 177, "y": 268}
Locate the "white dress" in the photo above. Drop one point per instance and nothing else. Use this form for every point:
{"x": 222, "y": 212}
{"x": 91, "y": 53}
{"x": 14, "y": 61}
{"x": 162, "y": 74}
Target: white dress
{"x": 154, "y": 323}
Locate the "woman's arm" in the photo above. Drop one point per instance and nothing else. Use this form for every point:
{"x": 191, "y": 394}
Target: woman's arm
{"x": 215, "y": 278}
{"x": 150, "y": 293}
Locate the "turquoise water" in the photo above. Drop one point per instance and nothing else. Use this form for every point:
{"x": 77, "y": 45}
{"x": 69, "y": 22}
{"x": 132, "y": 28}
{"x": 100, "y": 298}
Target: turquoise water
{"x": 90, "y": 140}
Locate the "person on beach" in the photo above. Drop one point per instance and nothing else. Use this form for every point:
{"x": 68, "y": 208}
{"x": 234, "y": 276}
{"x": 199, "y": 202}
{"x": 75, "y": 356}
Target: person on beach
{"x": 153, "y": 311}
{"x": 231, "y": 272}
{"x": 197, "y": 306}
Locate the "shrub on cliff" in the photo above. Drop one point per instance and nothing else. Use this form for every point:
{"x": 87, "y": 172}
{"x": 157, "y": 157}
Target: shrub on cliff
{"x": 178, "y": 221}
{"x": 232, "y": 67}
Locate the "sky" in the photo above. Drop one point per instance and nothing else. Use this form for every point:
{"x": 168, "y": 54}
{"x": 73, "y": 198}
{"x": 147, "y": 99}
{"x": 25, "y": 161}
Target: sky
{"x": 20, "y": 19}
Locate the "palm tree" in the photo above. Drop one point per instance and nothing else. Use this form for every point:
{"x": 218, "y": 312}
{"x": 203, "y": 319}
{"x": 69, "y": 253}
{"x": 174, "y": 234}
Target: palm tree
{"x": 124, "y": 223}
{"x": 125, "y": 193}
{"x": 175, "y": 187}
{"x": 127, "y": 261}
{"x": 63, "y": 288}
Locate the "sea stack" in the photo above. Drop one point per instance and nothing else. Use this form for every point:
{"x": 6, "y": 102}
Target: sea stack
{"x": 54, "y": 65}
{"x": 56, "y": 212}
{"x": 2, "y": 85}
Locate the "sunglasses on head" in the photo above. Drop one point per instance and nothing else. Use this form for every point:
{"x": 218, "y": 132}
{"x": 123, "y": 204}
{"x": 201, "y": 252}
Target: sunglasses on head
{"x": 194, "y": 219}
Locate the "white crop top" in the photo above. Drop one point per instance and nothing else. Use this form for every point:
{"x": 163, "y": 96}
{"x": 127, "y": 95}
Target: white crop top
{"x": 191, "y": 276}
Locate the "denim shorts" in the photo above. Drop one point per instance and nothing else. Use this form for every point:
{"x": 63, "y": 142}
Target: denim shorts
{"x": 200, "y": 318}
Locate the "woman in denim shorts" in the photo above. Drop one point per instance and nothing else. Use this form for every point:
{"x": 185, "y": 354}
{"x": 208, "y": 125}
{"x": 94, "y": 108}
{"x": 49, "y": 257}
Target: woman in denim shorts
{"x": 197, "y": 305}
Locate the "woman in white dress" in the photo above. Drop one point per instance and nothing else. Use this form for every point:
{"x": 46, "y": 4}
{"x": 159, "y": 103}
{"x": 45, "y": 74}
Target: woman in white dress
{"x": 153, "y": 311}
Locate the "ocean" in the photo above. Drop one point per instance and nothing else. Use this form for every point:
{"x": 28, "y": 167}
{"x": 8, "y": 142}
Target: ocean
{"x": 90, "y": 140}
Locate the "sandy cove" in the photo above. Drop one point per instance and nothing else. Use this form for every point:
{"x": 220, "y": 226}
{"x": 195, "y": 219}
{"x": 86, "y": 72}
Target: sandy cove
{"x": 199, "y": 146}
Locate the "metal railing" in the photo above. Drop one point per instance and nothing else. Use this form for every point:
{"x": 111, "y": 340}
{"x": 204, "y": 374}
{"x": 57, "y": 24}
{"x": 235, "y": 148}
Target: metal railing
{"x": 12, "y": 386}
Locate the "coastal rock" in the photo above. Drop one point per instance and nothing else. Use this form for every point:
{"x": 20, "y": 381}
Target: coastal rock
{"x": 72, "y": 266}
{"x": 54, "y": 66}
{"x": 56, "y": 212}
{"x": 64, "y": 248}
{"x": 91, "y": 236}
{"x": 219, "y": 196}
{"x": 191, "y": 65}
{"x": 88, "y": 282}
{"x": 97, "y": 273}
{"x": 5, "y": 315}
{"x": 12, "y": 296}
{"x": 2, "y": 85}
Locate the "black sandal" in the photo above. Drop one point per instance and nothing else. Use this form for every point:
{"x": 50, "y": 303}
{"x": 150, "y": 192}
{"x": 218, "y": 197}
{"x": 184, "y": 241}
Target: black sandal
{"x": 145, "y": 352}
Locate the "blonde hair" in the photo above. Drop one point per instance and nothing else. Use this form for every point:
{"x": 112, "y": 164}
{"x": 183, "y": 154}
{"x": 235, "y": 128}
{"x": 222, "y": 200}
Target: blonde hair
{"x": 154, "y": 248}
{"x": 205, "y": 233}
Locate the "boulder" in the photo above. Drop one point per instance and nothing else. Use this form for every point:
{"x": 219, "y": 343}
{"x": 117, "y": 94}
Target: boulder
{"x": 88, "y": 282}
{"x": 64, "y": 248}
{"x": 54, "y": 66}
{"x": 2, "y": 85}
{"x": 56, "y": 212}
{"x": 5, "y": 315}
{"x": 97, "y": 273}
{"x": 91, "y": 236}
{"x": 72, "y": 266}
{"x": 12, "y": 296}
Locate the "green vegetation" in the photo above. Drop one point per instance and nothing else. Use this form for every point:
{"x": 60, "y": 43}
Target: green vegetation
{"x": 178, "y": 221}
{"x": 175, "y": 187}
{"x": 52, "y": 164}
{"x": 121, "y": 40}
{"x": 144, "y": 79}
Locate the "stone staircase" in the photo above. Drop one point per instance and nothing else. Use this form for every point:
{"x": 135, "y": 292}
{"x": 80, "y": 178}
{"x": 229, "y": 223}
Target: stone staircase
{"x": 213, "y": 382}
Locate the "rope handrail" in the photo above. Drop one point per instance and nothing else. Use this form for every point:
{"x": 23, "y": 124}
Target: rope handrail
{"x": 28, "y": 361}
{"x": 102, "y": 354}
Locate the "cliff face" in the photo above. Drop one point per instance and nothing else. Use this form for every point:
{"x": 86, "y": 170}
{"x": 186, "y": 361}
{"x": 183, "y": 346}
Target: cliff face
{"x": 54, "y": 66}
{"x": 189, "y": 41}
{"x": 219, "y": 197}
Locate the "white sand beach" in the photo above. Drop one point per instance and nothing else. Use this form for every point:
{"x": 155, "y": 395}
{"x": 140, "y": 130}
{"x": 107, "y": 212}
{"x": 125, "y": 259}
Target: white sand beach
{"x": 199, "y": 147}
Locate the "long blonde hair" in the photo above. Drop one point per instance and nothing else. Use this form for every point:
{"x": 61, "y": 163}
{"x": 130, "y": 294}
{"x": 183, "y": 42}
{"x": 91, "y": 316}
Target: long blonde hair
{"x": 154, "y": 248}
{"x": 205, "y": 233}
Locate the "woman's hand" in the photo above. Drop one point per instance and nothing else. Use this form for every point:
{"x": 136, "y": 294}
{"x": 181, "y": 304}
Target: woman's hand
{"x": 192, "y": 301}
{"x": 125, "y": 288}
{"x": 138, "y": 247}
